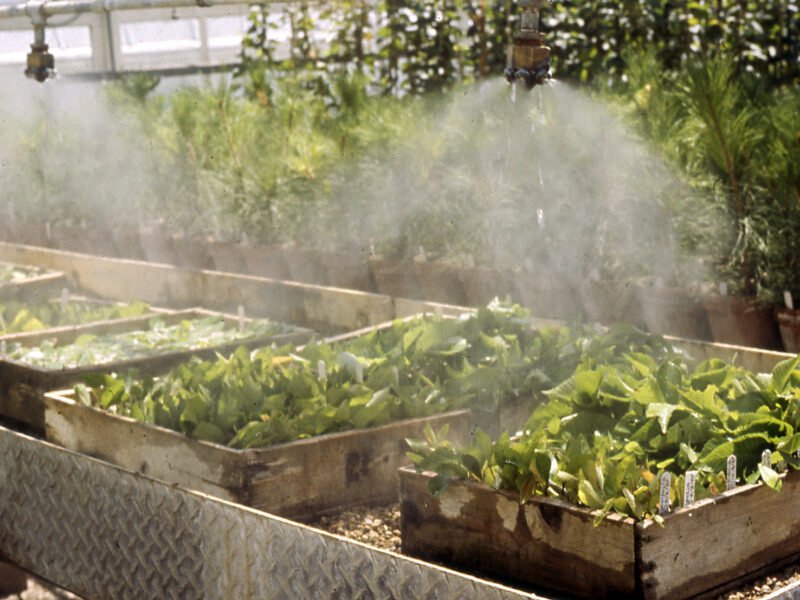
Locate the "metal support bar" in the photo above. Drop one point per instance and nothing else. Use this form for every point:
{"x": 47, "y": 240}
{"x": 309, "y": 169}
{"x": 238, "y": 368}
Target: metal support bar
{"x": 44, "y": 9}
{"x": 103, "y": 532}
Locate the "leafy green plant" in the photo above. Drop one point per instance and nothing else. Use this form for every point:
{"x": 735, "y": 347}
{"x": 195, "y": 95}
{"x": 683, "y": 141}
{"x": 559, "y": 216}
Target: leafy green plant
{"x": 414, "y": 368}
{"x": 19, "y": 317}
{"x": 607, "y": 434}
{"x": 159, "y": 337}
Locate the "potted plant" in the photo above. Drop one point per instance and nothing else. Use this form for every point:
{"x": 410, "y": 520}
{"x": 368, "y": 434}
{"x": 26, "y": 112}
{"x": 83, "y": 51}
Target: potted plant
{"x": 305, "y": 264}
{"x": 348, "y": 267}
{"x": 726, "y": 136}
{"x": 782, "y": 272}
{"x": 392, "y": 269}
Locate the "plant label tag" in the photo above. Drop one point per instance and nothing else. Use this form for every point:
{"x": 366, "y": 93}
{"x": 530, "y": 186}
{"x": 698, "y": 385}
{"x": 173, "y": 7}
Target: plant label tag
{"x": 47, "y": 231}
{"x": 723, "y": 288}
{"x": 240, "y": 312}
{"x": 372, "y": 249}
{"x": 788, "y": 300}
{"x": 359, "y": 372}
{"x": 663, "y": 501}
{"x": 64, "y": 298}
{"x": 688, "y": 488}
{"x": 322, "y": 372}
{"x": 766, "y": 458}
{"x": 731, "y": 472}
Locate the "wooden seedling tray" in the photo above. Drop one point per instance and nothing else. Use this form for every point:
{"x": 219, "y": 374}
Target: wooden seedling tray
{"x": 35, "y": 286}
{"x": 22, "y": 385}
{"x": 703, "y": 549}
{"x": 302, "y": 479}
{"x": 152, "y": 311}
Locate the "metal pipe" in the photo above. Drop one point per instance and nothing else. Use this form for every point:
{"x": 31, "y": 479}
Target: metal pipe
{"x": 44, "y": 9}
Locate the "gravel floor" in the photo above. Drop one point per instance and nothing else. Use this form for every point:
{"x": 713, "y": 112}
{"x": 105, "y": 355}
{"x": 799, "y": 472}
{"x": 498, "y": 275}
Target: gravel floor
{"x": 380, "y": 527}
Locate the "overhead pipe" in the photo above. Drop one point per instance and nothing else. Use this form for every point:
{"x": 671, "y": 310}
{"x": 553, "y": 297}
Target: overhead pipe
{"x": 40, "y": 63}
{"x": 44, "y": 9}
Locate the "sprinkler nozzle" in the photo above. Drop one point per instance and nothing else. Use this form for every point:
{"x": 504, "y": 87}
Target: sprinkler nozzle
{"x": 40, "y": 63}
{"x": 528, "y": 57}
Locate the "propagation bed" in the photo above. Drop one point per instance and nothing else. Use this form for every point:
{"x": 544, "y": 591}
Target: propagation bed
{"x": 163, "y": 541}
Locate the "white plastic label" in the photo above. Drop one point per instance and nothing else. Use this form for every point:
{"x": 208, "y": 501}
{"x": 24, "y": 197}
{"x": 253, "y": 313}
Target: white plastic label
{"x": 788, "y": 300}
{"x": 241, "y": 318}
{"x": 731, "y": 472}
{"x": 322, "y": 372}
{"x": 663, "y": 501}
{"x": 47, "y": 231}
{"x": 688, "y": 488}
{"x": 359, "y": 373}
{"x": 766, "y": 458}
{"x": 723, "y": 288}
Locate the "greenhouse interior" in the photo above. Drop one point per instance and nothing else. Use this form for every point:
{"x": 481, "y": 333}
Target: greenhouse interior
{"x": 399, "y": 299}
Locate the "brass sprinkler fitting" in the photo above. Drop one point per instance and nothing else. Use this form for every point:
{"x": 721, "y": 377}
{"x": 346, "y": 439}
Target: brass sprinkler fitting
{"x": 40, "y": 63}
{"x": 528, "y": 57}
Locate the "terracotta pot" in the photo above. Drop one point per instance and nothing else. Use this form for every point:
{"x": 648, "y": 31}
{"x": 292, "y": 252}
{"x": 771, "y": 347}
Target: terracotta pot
{"x": 439, "y": 282}
{"x": 742, "y": 321}
{"x": 672, "y": 311}
{"x": 157, "y": 245}
{"x": 191, "y": 252}
{"x": 265, "y": 260}
{"x": 99, "y": 242}
{"x": 306, "y": 265}
{"x": 482, "y": 285}
{"x": 547, "y": 298}
{"x": 610, "y": 301}
{"x": 31, "y": 234}
{"x": 66, "y": 237}
{"x": 349, "y": 269}
{"x": 126, "y": 240}
{"x": 226, "y": 256}
{"x": 789, "y": 324}
{"x": 394, "y": 278}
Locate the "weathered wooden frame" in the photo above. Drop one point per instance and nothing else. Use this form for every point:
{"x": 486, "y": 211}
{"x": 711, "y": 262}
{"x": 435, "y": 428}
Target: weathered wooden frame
{"x": 34, "y": 286}
{"x": 22, "y": 385}
{"x": 703, "y": 549}
{"x": 301, "y": 480}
